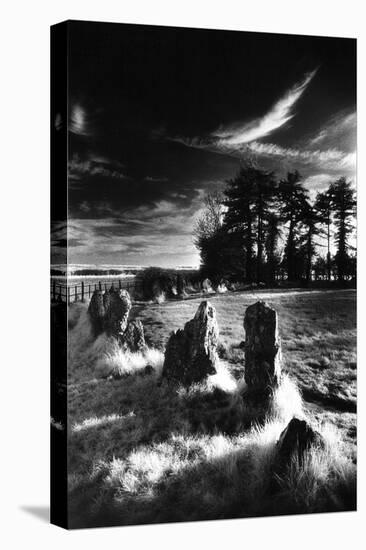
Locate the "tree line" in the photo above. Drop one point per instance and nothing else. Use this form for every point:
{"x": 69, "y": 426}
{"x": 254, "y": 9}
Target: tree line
{"x": 261, "y": 229}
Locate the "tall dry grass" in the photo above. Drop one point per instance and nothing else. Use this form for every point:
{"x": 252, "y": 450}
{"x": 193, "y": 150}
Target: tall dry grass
{"x": 143, "y": 451}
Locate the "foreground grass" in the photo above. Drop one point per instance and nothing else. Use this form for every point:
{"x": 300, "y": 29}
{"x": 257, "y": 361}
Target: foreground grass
{"x": 141, "y": 451}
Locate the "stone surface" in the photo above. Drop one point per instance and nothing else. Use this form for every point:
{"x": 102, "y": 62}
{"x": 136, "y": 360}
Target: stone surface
{"x": 295, "y": 439}
{"x": 118, "y": 306}
{"x": 181, "y": 293}
{"x": 222, "y": 288}
{"x": 191, "y": 353}
{"x": 262, "y": 349}
{"x": 96, "y": 311}
{"x": 158, "y": 293}
{"x": 108, "y": 311}
{"x": 133, "y": 339}
{"x": 207, "y": 286}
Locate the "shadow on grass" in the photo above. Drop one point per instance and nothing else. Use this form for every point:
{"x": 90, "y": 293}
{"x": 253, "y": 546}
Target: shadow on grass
{"x": 230, "y": 486}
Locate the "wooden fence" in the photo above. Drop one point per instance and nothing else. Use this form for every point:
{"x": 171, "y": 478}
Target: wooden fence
{"x": 62, "y": 292}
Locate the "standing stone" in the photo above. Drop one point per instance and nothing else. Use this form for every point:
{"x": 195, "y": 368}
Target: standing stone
{"x": 296, "y": 438}
{"x": 158, "y": 293}
{"x": 180, "y": 286}
{"x": 96, "y": 312}
{"x": 207, "y": 286}
{"x": 262, "y": 349}
{"x": 191, "y": 353}
{"x": 118, "y": 306}
{"x": 108, "y": 312}
{"x": 133, "y": 338}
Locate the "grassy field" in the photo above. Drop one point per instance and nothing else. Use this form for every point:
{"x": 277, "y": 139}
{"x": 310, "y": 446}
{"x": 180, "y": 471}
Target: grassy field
{"x": 141, "y": 451}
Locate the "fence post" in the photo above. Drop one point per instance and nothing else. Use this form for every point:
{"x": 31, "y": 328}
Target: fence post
{"x": 82, "y": 291}
{"x": 76, "y": 293}
{"x": 120, "y": 284}
{"x": 54, "y": 290}
{"x": 100, "y": 285}
{"x": 89, "y": 290}
{"x": 68, "y": 295}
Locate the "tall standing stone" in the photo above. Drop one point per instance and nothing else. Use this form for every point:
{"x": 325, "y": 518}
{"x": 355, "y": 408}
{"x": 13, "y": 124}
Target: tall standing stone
{"x": 262, "y": 349}
{"x": 118, "y": 306}
{"x": 191, "y": 353}
{"x": 96, "y": 312}
{"x": 108, "y": 311}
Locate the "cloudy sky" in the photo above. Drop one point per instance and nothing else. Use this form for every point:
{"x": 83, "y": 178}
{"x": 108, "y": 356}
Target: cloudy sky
{"x": 158, "y": 117}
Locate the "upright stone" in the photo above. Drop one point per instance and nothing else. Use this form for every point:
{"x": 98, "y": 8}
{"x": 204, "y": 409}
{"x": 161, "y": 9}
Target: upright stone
{"x": 191, "y": 353}
{"x": 207, "y": 286}
{"x": 96, "y": 312}
{"x": 133, "y": 338}
{"x": 262, "y": 349}
{"x": 108, "y": 311}
{"x": 294, "y": 441}
{"x": 118, "y": 305}
{"x": 180, "y": 286}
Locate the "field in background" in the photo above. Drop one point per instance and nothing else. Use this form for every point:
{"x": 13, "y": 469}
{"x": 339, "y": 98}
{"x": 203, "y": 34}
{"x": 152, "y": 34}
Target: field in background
{"x": 139, "y": 452}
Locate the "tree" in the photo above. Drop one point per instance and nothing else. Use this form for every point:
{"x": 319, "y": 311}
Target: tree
{"x": 248, "y": 200}
{"x": 292, "y": 196}
{"x": 271, "y": 245}
{"x": 309, "y": 220}
{"x": 221, "y": 253}
{"x": 343, "y": 204}
{"x": 210, "y": 220}
{"x": 323, "y": 206}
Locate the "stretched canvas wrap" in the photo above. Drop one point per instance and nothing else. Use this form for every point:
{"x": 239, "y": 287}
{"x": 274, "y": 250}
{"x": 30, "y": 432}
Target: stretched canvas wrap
{"x": 203, "y": 302}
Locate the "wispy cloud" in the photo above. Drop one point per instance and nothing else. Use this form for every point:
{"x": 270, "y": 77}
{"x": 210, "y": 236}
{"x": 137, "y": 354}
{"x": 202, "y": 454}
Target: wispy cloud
{"x": 94, "y": 166}
{"x": 277, "y": 116}
{"x": 330, "y": 158}
{"x": 233, "y": 138}
{"x": 340, "y": 129}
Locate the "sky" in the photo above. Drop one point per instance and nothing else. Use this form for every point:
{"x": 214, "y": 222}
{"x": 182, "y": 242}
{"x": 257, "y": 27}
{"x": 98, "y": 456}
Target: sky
{"x": 159, "y": 117}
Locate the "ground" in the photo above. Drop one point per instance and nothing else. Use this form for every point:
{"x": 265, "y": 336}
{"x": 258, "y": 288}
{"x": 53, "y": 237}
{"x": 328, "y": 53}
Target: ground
{"x": 141, "y": 451}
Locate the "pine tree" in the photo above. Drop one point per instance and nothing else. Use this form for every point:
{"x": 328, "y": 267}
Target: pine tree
{"x": 248, "y": 200}
{"x": 292, "y": 197}
{"x": 323, "y": 205}
{"x": 343, "y": 204}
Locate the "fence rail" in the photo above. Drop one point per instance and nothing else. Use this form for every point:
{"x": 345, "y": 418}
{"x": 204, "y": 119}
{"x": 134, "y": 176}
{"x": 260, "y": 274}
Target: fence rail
{"x": 62, "y": 292}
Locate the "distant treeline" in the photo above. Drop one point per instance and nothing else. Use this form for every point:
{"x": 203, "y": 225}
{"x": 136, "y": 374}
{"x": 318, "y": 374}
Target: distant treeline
{"x": 261, "y": 229}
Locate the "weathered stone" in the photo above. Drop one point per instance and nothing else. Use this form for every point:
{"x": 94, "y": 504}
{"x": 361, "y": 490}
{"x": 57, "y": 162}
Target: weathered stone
{"x": 158, "y": 293}
{"x": 133, "y": 339}
{"x": 108, "y": 311}
{"x": 180, "y": 287}
{"x": 118, "y": 305}
{"x": 296, "y": 438}
{"x": 96, "y": 311}
{"x": 207, "y": 286}
{"x": 262, "y": 349}
{"x": 191, "y": 353}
